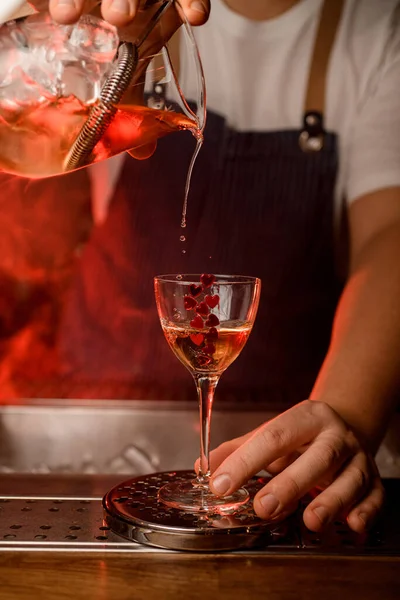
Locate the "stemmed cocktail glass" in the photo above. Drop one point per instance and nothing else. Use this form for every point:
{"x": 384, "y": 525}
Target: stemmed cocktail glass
{"x": 206, "y": 320}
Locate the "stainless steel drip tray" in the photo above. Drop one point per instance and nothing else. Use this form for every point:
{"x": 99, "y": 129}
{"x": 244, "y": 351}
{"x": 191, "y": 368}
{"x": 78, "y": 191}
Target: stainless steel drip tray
{"x": 57, "y": 524}
{"x": 52, "y": 454}
{"x": 72, "y": 524}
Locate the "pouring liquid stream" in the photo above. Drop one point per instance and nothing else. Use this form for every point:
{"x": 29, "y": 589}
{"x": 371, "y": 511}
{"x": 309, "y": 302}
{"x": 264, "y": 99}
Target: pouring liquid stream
{"x": 199, "y": 143}
{"x": 199, "y": 140}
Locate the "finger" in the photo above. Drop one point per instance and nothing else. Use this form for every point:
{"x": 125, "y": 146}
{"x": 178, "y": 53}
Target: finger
{"x": 282, "y": 463}
{"x": 119, "y": 12}
{"x": 280, "y": 436}
{"x": 143, "y": 152}
{"x": 66, "y": 11}
{"x": 196, "y": 11}
{"x": 281, "y": 516}
{"x": 362, "y": 516}
{"x": 218, "y": 455}
{"x": 297, "y": 479}
{"x": 351, "y": 485}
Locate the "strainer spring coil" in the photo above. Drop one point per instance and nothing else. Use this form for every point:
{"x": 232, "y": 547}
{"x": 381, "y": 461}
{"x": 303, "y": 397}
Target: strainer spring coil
{"x": 102, "y": 114}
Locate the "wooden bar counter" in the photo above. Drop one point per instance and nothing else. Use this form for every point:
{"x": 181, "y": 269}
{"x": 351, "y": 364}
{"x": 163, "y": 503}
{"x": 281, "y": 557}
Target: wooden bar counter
{"x": 104, "y": 574}
{"x": 42, "y": 576}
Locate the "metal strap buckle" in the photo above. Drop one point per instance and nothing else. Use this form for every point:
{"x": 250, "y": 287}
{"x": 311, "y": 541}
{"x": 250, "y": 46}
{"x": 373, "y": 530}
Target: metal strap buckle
{"x": 312, "y": 136}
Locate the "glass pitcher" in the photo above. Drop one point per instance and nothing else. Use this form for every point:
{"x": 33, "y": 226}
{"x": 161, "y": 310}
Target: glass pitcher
{"x": 72, "y": 95}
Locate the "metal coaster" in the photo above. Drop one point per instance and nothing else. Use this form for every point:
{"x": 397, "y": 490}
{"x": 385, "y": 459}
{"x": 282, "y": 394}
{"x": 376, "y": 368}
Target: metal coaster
{"x": 132, "y": 510}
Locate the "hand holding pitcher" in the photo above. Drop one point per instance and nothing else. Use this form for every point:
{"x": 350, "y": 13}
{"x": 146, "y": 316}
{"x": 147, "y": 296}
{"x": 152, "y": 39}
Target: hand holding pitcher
{"x": 116, "y": 12}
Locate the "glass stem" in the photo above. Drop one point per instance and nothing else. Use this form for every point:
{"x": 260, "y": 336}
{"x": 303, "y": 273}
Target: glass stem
{"x": 205, "y": 390}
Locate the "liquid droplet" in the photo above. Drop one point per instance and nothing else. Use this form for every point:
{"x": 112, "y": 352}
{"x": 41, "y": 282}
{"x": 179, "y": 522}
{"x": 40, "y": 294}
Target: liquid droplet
{"x": 183, "y": 251}
{"x": 182, "y": 238}
{"x": 199, "y": 138}
{"x": 179, "y": 277}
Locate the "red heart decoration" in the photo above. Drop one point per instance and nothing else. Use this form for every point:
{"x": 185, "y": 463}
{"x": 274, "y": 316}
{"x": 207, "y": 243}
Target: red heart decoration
{"x": 197, "y": 323}
{"x": 207, "y": 280}
{"x": 197, "y": 338}
{"x": 212, "y": 301}
{"x": 202, "y": 309}
{"x": 209, "y": 349}
{"x": 195, "y": 290}
{"x": 212, "y": 335}
{"x": 212, "y": 321}
{"x": 189, "y": 302}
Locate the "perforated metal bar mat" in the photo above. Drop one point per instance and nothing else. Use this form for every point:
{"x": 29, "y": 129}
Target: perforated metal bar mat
{"x": 57, "y": 524}
{"x": 79, "y": 524}
{"x": 133, "y": 511}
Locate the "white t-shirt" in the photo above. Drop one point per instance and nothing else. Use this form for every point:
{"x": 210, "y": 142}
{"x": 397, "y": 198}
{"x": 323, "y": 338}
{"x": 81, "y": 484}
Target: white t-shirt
{"x": 256, "y": 77}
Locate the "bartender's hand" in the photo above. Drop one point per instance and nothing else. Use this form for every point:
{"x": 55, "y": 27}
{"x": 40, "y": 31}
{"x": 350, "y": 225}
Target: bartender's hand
{"x": 117, "y": 12}
{"x": 307, "y": 447}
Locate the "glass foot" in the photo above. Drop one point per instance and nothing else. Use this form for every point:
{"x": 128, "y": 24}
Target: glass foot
{"x": 192, "y": 497}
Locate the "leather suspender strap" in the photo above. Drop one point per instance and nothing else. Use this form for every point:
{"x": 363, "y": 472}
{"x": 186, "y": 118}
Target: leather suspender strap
{"x": 312, "y": 136}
